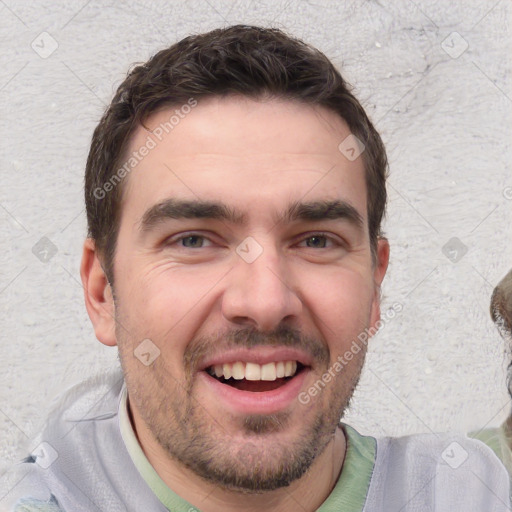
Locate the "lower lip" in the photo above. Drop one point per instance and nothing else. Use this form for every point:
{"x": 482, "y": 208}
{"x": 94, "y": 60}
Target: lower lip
{"x": 248, "y": 402}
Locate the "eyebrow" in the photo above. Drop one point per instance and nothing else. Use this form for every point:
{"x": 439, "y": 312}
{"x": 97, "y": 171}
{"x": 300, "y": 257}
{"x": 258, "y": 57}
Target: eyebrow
{"x": 324, "y": 210}
{"x": 198, "y": 209}
{"x": 189, "y": 209}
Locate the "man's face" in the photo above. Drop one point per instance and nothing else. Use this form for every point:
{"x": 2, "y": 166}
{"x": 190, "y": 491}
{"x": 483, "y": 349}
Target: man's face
{"x": 217, "y": 304}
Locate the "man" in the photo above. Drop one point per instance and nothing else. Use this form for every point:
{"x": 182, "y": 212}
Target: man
{"x": 235, "y": 190}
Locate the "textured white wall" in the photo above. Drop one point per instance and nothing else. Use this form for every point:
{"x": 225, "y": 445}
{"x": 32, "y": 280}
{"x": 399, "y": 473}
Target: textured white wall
{"x": 444, "y": 111}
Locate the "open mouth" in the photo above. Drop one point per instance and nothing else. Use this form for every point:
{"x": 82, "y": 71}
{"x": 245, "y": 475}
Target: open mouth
{"x": 254, "y": 377}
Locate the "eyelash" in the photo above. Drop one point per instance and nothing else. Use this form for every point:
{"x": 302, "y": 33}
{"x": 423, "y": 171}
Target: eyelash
{"x": 332, "y": 239}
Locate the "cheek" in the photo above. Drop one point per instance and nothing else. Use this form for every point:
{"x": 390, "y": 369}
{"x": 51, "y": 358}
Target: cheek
{"x": 341, "y": 302}
{"x": 170, "y": 303}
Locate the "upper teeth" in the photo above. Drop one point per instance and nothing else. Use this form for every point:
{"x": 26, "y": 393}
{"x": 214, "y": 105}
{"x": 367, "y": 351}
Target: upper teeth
{"x": 253, "y": 371}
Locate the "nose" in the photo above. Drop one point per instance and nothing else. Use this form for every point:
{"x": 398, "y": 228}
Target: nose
{"x": 261, "y": 293}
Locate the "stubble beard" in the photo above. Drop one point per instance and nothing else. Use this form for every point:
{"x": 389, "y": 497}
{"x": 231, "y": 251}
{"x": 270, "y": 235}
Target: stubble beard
{"x": 254, "y": 462}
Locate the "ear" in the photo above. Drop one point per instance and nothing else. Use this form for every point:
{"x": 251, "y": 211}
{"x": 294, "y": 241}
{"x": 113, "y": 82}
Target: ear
{"x": 99, "y": 299}
{"x": 379, "y": 272}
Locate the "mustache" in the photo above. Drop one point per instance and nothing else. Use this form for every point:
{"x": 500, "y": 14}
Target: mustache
{"x": 207, "y": 346}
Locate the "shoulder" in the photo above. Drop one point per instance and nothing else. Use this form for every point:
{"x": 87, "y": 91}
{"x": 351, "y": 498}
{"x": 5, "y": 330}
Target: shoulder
{"x": 449, "y": 472}
{"x": 440, "y": 453}
{"x": 452, "y": 450}
{"x": 86, "y": 400}
{"x": 84, "y": 415}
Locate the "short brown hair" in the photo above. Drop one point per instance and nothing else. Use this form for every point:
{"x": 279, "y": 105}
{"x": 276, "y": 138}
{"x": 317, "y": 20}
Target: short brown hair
{"x": 238, "y": 60}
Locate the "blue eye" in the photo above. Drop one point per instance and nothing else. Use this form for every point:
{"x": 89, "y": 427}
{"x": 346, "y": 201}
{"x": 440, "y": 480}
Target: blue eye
{"x": 192, "y": 241}
{"x": 319, "y": 241}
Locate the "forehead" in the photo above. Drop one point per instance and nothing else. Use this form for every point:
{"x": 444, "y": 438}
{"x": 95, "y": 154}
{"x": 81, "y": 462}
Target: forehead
{"x": 251, "y": 154}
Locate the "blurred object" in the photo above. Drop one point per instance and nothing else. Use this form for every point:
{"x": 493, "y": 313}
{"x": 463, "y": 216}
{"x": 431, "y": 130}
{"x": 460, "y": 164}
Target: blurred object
{"x": 501, "y": 306}
{"x": 501, "y": 313}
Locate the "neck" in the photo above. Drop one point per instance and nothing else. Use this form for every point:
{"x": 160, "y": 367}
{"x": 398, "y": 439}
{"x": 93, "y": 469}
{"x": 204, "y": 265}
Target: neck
{"x": 310, "y": 491}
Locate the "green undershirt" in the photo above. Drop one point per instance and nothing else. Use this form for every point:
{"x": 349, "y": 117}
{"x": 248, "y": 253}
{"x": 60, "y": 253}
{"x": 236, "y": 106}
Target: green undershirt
{"x": 499, "y": 440}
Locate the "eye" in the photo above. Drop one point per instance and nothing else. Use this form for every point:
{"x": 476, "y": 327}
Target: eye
{"x": 319, "y": 241}
{"x": 193, "y": 241}
{"x": 190, "y": 241}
